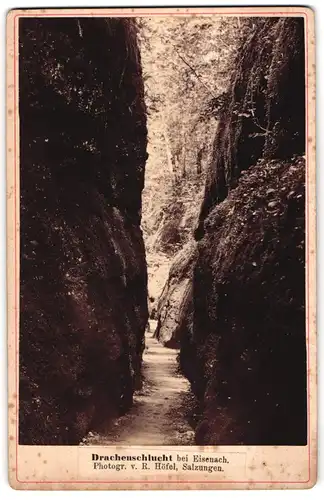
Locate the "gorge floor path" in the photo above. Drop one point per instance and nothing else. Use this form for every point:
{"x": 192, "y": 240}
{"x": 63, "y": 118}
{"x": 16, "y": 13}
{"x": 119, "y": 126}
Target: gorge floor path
{"x": 159, "y": 412}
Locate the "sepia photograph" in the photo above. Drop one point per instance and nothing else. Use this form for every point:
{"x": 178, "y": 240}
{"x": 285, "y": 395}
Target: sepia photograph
{"x": 163, "y": 208}
{"x": 167, "y": 307}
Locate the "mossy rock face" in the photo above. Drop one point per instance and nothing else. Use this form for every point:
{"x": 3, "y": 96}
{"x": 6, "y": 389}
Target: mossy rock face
{"x": 83, "y": 306}
{"x": 248, "y": 365}
{"x": 264, "y": 112}
{"x": 245, "y": 350}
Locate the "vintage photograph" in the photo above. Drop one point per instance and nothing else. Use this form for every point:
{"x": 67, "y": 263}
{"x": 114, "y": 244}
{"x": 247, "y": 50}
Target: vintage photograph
{"x": 162, "y": 231}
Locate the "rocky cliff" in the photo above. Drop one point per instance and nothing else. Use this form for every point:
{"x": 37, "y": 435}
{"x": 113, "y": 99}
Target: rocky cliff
{"x": 83, "y": 303}
{"x": 244, "y": 351}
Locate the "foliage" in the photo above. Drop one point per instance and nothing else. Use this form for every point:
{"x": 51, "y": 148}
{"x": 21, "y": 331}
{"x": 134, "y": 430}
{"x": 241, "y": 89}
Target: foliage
{"x": 186, "y": 65}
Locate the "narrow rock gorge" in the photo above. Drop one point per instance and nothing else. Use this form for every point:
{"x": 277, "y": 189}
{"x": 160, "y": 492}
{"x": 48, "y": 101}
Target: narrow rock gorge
{"x": 83, "y": 305}
{"x": 213, "y": 110}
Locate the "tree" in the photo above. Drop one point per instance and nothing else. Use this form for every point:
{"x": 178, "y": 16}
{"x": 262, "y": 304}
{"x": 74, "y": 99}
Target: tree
{"x": 186, "y": 63}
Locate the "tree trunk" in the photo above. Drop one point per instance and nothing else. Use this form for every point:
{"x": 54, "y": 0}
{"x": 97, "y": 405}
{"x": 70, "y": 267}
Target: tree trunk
{"x": 168, "y": 149}
{"x": 199, "y": 159}
{"x": 184, "y": 172}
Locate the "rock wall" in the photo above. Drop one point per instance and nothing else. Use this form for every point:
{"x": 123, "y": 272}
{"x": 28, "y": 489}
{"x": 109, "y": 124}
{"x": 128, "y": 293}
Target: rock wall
{"x": 264, "y": 113}
{"x": 83, "y": 302}
{"x": 245, "y": 351}
{"x": 174, "y": 297}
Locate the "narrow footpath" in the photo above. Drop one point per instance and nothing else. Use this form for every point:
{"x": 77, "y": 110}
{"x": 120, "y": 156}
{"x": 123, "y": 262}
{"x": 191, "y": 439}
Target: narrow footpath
{"x": 158, "y": 415}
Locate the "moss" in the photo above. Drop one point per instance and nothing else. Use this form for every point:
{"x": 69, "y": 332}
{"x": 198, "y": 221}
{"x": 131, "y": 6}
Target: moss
{"x": 247, "y": 353}
{"x": 264, "y": 114}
